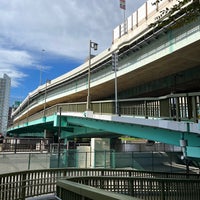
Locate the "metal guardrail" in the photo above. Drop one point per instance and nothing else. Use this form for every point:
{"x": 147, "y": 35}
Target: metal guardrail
{"x": 75, "y": 191}
{"x": 20, "y": 185}
{"x": 144, "y": 188}
{"x": 179, "y": 107}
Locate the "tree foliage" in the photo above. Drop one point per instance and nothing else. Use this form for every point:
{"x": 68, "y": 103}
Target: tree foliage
{"x": 185, "y": 11}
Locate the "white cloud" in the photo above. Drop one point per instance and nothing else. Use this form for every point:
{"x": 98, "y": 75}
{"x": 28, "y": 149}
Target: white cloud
{"x": 11, "y": 61}
{"x": 20, "y": 58}
{"x": 61, "y": 27}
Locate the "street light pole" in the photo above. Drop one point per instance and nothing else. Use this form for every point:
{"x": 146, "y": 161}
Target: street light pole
{"x": 45, "y": 96}
{"x": 40, "y": 81}
{"x": 115, "y": 69}
{"x": 94, "y": 46}
{"x": 59, "y": 135}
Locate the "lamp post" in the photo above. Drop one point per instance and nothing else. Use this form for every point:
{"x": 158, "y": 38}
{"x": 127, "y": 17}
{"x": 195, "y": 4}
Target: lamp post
{"x": 27, "y": 114}
{"x": 94, "y": 46}
{"x": 115, "y": 69}
{"x": 59, "y": 135}
{"x": 45, "y": 96}
{"x": 40, "y": 81}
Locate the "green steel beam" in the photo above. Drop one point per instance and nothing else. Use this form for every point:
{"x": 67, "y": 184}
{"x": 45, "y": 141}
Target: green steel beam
{"x": 77, "y": 131}
{"x": 141, "y": 131}
{"x": 35, "y": 123}
{"x": 193, "y": 152}
{"x": 88, "y": 127}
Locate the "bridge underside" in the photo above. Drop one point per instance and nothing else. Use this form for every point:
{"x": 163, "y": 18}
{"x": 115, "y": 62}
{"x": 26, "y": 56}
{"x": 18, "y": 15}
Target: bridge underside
{"x": 178, "y": 72}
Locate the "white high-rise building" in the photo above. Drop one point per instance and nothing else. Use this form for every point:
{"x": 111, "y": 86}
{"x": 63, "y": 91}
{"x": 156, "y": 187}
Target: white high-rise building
{"x": 5, "y": 84}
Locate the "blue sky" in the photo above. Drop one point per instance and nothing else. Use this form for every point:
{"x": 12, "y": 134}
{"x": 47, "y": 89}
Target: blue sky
{"x": 62, "y": 28}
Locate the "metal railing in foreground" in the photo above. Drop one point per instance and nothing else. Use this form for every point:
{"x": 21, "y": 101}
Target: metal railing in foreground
{"x": 20, "y": 185}
{"x": 75, "y": 191}
{"x": 142, "y": 188}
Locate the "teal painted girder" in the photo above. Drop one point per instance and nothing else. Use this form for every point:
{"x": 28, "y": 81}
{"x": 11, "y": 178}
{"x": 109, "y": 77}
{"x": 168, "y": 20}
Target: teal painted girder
{"x": 52, "y": 123}
{"x": 88, "y": 127}
{"x": 35, "y": 135}
{"x": 77, "y": 131}
{"x": 141, "y": 131}
{"x": 34, "y": 127}
{"x": 162, "y": 135}
{"x": 193, "y": 152}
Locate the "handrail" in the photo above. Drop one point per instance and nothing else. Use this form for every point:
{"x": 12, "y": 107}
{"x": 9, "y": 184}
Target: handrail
{"x": 75, "y": 190}
{"x": 179, "y": 107}
{"x": 143, "y": 187}
{"x": 20, "y": 185}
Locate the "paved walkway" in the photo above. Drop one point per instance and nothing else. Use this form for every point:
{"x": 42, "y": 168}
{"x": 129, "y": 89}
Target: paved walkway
{"x": 10, "y": 162}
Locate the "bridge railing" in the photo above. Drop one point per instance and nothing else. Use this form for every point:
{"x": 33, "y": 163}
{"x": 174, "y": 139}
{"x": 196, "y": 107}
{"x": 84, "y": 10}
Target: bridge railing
{"x": 74, "y": 191}
{"x": 20, "y": 185}
{"x": 179, "y": 107}
{"x": 174, "y": 106}
{"x": 144, "y": 188}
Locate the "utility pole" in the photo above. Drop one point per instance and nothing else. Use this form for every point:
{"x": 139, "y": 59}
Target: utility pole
{"x": 92, "y": 45}
{"x": 115, "y": 69}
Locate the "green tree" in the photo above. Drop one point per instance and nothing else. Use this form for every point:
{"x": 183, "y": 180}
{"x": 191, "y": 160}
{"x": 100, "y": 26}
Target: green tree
{"x": 185, "y": 11}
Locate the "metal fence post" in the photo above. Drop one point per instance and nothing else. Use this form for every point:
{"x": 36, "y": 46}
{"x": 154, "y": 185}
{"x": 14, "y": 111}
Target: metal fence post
{"x": 104, "y": 158}
{"x": 86, "y": 159}
{"x": 15, "y": 145}
{"x": 162, "y": 190}
{"x": 23, "y": 187}
{"x": 29, "y": 160}
{"x": 130, "y": 187}
{"x": 113, "y": 159}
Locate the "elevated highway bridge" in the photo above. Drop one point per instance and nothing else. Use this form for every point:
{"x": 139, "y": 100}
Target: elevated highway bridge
{"x": 158, "y": 86}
